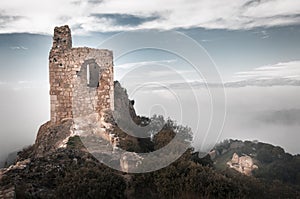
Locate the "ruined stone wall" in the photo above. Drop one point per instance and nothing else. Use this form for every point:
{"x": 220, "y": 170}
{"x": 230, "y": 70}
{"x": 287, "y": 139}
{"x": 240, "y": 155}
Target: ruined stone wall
{"x": 81, "y": 79}
{"x": 243, "y": 164}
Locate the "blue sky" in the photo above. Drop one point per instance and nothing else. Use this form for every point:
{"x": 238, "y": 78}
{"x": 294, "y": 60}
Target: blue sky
{"x": 232, "y": 50}
{"x": 255, "y": 45}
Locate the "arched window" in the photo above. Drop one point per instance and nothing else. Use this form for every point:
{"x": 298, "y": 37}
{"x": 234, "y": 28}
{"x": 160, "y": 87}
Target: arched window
{"x": 90, "y": 71}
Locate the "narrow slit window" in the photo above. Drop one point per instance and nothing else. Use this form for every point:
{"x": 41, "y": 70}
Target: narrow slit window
{"x": 88, "y": 74}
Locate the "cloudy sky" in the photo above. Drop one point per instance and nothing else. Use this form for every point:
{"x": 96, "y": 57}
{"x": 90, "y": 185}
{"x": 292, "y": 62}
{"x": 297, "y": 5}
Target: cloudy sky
{"x": 253, "y": 44}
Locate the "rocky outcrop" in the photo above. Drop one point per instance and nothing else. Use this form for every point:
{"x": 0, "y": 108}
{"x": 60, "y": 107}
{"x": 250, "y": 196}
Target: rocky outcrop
{"x": 20, "y": 165}
{"x": 243, "y": 164}
{"x": 51, "y": 136}
{"x": 8, "y": 190}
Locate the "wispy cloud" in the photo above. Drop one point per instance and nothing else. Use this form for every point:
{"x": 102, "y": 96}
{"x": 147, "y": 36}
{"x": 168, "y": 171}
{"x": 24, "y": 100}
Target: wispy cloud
{"x": 24, "y": 84}
{"x": 264, "y": 82}
{"x": 280, "y": 74}
{"x": 143, "y": 63}
{"x": 285, "y": 70}
{"x": 117, "y": 15}
{"x": 263, "y": 34}
{"x": 18, "y": 48}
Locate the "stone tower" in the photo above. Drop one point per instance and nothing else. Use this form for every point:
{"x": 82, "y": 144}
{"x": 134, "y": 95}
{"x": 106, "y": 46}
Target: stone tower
{"x": 81, "y": 79}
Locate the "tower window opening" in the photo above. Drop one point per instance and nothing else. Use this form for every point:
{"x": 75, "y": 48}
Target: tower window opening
{"x": 88, "y": 74}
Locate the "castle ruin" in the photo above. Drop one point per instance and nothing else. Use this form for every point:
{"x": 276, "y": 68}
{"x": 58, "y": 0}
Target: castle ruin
{"x": 243, "y": 164}
{"x": 82, "y": 92}
{"x": 81, "y": 79}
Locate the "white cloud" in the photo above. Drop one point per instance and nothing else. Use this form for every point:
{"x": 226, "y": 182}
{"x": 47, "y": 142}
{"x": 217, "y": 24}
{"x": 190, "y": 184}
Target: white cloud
{"x": 285, "y": 70}
{"x": 280, "y": 74}
{"x": 30, "y": 16}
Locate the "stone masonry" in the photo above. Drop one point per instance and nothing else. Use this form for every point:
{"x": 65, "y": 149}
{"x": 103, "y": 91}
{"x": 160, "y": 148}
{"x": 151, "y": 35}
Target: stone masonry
{"x": 81, "y": 79}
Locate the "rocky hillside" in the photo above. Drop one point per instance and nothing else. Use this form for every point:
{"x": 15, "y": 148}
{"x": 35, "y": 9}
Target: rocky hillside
{"x": 261, "y": 160}
{"x": 73, "y": 173}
